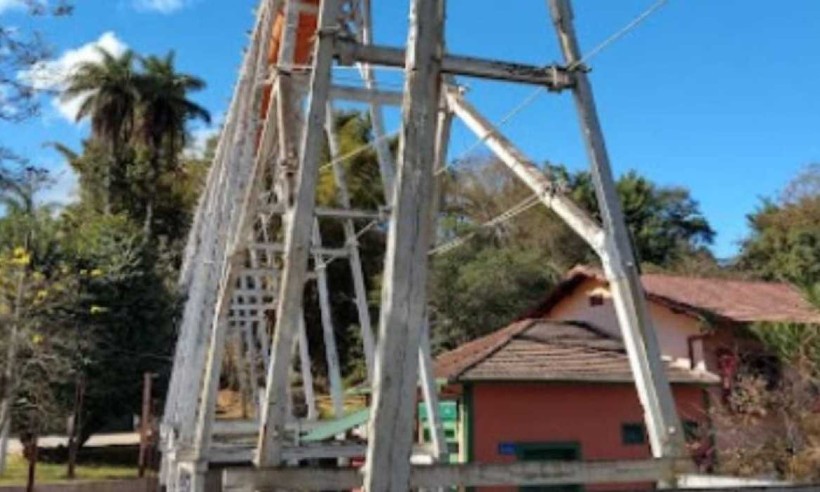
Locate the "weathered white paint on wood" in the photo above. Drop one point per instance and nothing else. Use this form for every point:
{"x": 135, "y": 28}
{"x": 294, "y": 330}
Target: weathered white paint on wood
{"x": 385, "y": 157}
{"x": 376, "y": 97}
{"x": 356, "y": 268}
{"x": 427, "y": 375}
{"x": 466, "y": 475}
{"x": 297, "y": 242}
{"x": 576, "y": 218}
{"x": 334, "y": 371}
{"x": 307, "y": 372}
{"x": 662, "y": 422}
{"x": 404, "y": 295}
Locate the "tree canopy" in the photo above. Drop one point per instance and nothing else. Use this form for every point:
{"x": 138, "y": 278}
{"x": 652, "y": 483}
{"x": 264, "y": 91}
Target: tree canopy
{"x": 784, "y": 243}
{"x": 21, "y": 49}
{"x": 91, "y": 288}
{"x": 506, "y": 269}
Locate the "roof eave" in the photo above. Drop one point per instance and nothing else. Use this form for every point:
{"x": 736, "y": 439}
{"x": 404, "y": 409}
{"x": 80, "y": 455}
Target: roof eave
{"x": 567, "y": 379}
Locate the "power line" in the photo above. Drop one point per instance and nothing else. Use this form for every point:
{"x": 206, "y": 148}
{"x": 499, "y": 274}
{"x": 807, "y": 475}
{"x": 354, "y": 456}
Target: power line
{"x": 530, "y": 99}
{"x": 506, "y": 119}
{"x": 506, "y": 216}
{"x": 619, "y": 34}
{"x": 358, "y": 150}
{"x": 373, "y": 223}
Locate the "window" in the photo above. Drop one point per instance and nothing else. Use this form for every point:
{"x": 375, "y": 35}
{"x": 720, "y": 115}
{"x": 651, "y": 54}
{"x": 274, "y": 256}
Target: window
{"x": 596, "y": 300}
{"x": 633, "y": 434}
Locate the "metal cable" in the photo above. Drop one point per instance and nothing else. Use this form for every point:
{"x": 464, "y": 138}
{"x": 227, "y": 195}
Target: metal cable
{"x": 619, "y": 34}
{"x": 506, "y": 216}
{"x": 373, "y": 223}
{"x": 358, "y": 150}
{"x": 540, "y": 90}
{"x": 506, "y": 119}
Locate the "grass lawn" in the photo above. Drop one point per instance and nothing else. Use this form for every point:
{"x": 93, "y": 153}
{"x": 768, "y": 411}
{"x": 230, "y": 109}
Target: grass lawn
{"x": 17, "y": 472}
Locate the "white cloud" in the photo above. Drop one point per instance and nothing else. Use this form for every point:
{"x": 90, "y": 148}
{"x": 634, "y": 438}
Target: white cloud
{"x": 50, "y": 75}
{"x": 161, "y": 6}
{"x": 10, "y": 5}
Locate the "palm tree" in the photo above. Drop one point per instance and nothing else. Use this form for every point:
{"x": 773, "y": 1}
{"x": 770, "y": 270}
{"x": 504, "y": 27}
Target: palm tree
{"x": 108, "y": 89}
{"x": 164, "y": 110}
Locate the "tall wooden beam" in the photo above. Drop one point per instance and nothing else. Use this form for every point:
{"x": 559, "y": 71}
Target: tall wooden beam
{"x": 198, "y": 319}
{"x": 622, "y": 270}
{"x": 427, "y": 373}
{"x": 334, "y": 371}
{"x": 404, "y": 294}
{"x": 307, "y": 372}
{"x": 245, "y": 198}
{"x": 352, "y": 240}
{"x": 207, "y": 403}
{"x": 386, "y": 164}
{"x": 297, "y": 242}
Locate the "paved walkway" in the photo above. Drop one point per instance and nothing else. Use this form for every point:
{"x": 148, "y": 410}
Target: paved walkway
{"x": 96, "y": 441}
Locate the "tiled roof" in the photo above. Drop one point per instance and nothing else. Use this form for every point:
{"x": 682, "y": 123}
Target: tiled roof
{"x": 543, "y": 350}
{"x": 742, "y": 301}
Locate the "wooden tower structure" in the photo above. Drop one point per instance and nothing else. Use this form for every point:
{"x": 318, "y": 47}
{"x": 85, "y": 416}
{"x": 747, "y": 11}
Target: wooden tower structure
{"x": 256, "y": 242}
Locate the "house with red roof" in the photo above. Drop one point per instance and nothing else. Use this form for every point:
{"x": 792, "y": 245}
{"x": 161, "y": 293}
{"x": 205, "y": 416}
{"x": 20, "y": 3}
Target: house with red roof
{"x": 556, "y": 384}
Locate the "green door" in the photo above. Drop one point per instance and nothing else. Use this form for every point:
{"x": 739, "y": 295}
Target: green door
{"x": 550, "y": 451}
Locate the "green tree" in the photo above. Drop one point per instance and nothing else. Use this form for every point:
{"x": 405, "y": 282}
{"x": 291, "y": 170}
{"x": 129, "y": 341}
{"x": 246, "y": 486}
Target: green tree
{"x": 477, "y": 289}
{"x": 29, "y": 275}
{"x": 124, "y": 305}
{"x": 665, "y": 221}
{"x": 163, "y": 113}
{"x": 505, "y": 269}
{"x": 20, "y": 50}
{"x": 139, "y": 117}
{"x": 109, "y": 93}
{"x": 784, "y": 242}
{"x": 366, "y": 193}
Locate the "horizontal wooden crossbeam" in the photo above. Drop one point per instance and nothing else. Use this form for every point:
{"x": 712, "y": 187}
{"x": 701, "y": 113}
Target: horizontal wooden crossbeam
{"x": 553, "y": 77}
{"x": 334, "y": 213}
{"x": 358, "y": 94}
{"x": 280, "y": 248}
{"x": 229, "y": 453}
{"x": 251, "y": 427}
{"x": 464, "y": 475}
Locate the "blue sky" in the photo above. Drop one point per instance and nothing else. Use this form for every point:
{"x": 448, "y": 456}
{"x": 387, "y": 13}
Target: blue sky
{"x": 719, "y": 97}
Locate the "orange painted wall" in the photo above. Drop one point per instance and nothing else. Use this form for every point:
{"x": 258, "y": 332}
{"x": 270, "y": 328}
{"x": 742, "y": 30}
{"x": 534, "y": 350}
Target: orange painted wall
{"x": 590, "y": 414}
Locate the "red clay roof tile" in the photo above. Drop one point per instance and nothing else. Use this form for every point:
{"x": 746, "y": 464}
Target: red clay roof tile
{"x": 742, "y": 301}
{"x": 542, "y": 350}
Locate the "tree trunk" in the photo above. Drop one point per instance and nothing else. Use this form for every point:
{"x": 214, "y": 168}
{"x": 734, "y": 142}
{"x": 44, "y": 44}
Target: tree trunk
{"x": 31, "y": 454}
{"x": 8, "y": 384}
{"x": 4, "y": 446}
{"x": 151, "y": 186}
{"x": 146, "y": 425}
{"x": 76, "y": 426}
